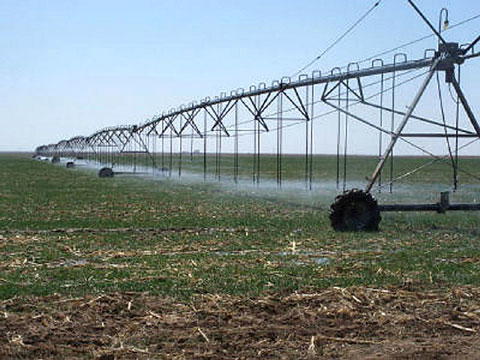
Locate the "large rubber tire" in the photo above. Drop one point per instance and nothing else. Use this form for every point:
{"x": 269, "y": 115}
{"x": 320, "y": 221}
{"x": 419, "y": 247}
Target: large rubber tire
{"x": 70, "y": 164}
{"x": 355, "y": 210}
{"x": 105, "y": 172}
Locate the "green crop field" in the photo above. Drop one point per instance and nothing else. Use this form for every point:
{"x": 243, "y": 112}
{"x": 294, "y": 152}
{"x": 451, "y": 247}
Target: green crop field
{"x": 192, "y": 230}
{"x": 67, "y": 233}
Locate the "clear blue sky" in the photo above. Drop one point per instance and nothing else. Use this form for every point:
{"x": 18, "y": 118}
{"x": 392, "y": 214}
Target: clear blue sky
{"x": 70, "y": 67}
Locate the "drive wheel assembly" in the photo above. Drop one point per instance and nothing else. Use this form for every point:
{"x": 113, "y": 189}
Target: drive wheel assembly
{"x": 105, "y": 172}
{"x": 355, "y": 210}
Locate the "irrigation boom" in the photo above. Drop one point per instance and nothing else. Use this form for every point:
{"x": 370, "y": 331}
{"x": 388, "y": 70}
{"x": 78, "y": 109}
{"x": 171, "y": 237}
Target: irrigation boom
{"x": 262, "y": 110}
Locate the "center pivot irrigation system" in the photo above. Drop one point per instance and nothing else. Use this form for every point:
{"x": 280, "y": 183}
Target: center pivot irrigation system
{"x": 240, "y": 125}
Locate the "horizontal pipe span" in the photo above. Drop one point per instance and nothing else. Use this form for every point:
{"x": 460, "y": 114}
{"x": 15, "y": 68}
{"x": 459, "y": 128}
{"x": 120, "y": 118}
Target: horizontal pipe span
{"x": 429, "y": 207}
{"x": 407, "y": 65}
{"x": 464, "y": 207}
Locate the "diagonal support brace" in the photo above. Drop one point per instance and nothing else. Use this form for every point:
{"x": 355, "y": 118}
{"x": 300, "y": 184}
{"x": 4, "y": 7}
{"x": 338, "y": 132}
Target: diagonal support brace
{"x": 401, "y": 126}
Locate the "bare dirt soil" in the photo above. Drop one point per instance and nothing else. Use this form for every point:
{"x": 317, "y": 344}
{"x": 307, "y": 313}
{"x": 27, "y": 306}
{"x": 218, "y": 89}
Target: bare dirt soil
{"x": 353, "y": 323}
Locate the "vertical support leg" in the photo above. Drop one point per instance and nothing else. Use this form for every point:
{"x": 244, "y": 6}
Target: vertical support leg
{"x": 312, "y": 116}
{"x": 306, "y": 139}
{"x": 191, "y": 146}
{"x": 163, "y": 153}
{"x": 180, "y": 151}
{"x": 219, "y": 155}
{"x": 279, "y": 138}
{"x": 235, "y": 150}
{"x": 457, "y": 122}
{"x": 339, "y": 130}
{"x": 170, "y": 165}
{"x": 258, "y": 134}
{"x": 401, "y": 126}
{"x": 254, "y": 165}
{"x": 380, "y": 133}
{"x": 392, "y": 129}
{"x": 345, "y": 138}
{"x": 205, "y": 135}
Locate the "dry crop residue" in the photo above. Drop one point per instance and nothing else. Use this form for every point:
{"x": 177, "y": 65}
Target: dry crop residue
{"x": 334, "y": 323}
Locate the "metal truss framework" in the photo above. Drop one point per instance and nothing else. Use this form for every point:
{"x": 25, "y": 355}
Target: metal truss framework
{"x": 265, "y": 108}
